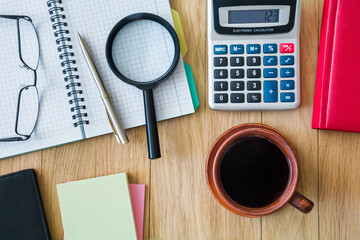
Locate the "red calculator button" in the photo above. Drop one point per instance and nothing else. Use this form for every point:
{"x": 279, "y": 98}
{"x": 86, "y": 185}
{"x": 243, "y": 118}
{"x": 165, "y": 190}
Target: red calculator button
{"x": 287, "y": 48}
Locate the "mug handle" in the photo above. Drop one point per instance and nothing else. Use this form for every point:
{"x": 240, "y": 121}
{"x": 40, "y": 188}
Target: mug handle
{"x": 302, "y": 203}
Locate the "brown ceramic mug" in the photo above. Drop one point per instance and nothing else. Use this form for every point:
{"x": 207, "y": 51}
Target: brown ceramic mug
{"x": 288, "y": 195}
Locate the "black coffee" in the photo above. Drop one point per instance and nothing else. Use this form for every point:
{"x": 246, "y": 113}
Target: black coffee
{"x": 254, "y": 172}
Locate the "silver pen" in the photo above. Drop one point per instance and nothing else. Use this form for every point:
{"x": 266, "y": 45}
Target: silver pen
{"x": 118, "y": 130}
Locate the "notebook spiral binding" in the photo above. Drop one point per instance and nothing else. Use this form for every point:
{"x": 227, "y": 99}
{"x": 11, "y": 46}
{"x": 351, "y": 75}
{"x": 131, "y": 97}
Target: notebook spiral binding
{"x": 63, "y": 39}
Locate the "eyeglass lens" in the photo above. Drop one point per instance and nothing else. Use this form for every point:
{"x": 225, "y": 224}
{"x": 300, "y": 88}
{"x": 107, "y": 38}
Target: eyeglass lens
{"x": 28, "y": 108}
{"x": 29, "y": 45}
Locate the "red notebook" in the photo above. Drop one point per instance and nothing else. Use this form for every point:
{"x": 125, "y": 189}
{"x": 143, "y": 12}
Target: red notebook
{"x": 337, "y": 91}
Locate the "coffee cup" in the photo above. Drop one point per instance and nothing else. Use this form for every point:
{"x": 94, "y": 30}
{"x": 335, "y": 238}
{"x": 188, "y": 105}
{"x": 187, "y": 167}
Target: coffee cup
{"x": 252, "y": 170}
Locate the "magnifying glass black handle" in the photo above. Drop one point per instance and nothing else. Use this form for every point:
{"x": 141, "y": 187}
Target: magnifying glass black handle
{"x": 151, "y": 125}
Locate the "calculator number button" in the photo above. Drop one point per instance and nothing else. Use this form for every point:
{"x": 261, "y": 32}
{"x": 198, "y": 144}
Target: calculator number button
{"x": 237, "y": 61}
{"x": 220, "y": 86}
{"x": 237, "y": 73}
{"x": 253, "y": 61}
{"x": 287, "y": 60}
{"x": 221, "y": 98}
{"x": 287, "y": 48}
{"x": 220, "y": 73}
{"x": 220, "y": 62}
{"x": 254, "y": 73}
{"x": 237, "y": 86}
{"x": 270, "y": 61}
{"x": 253, "y": 85}
{"x": 237, "y": 98}
{"x": 254, "y": 97}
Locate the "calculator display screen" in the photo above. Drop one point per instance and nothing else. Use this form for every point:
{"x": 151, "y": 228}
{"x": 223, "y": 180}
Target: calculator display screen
{"x": 254, "y": 16}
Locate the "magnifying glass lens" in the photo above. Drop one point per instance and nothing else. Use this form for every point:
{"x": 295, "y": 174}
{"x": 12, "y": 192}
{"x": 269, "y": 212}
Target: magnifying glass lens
{"x": 143, "y": 51}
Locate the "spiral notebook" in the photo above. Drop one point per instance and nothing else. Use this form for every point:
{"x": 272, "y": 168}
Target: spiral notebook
{"x": 70, "y": 106}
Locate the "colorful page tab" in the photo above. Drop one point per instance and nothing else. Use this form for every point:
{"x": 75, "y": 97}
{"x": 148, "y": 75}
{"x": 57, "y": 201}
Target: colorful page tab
{"x": 180, "y": 32}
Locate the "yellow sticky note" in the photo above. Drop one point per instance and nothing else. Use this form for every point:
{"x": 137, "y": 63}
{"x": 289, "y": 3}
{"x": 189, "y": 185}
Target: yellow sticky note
{"x": 180, "y": 32}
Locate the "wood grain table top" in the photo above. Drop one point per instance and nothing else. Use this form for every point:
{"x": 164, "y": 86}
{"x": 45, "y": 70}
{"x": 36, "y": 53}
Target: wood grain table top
{"x": 179, "y": 204}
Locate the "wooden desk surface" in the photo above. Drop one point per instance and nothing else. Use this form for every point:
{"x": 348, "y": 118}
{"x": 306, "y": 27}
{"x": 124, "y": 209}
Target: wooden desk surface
{"x": 179, "y": 204}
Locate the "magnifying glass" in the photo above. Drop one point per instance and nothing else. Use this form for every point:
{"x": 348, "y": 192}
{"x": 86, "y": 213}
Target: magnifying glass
{"x": 143, "y": 50}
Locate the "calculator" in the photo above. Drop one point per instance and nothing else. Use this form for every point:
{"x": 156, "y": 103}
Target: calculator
{"x": 253, "y": 54}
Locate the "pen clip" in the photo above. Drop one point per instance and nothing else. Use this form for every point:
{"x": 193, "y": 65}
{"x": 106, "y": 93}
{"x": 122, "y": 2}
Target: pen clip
{"x": 112, "y": 126}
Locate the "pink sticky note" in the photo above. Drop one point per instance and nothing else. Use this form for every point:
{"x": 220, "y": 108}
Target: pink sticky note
{"x": 137, "y": 192}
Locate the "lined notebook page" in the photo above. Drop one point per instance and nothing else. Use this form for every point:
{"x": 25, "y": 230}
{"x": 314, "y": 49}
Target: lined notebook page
{"x": 55, "y": 125}
{"x": 94, "y": 21}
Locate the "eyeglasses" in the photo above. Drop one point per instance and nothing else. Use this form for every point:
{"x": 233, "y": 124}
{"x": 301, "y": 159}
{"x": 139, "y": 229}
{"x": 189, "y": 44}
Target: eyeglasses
{"x": 27, "y": 111}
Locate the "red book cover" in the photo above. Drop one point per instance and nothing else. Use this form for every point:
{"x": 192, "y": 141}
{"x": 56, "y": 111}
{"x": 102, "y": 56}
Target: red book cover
{"x": 337, "y": 90}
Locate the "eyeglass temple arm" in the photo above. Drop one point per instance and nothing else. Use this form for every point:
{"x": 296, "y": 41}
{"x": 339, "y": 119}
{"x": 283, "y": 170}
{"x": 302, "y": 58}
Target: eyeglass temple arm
{"x": 15, "y": 17}
{"x": 13, "y": 139}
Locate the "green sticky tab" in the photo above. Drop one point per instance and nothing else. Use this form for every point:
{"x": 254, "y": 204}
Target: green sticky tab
{"x": 180, "y": 32}
{"x": 192, "y": 87}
